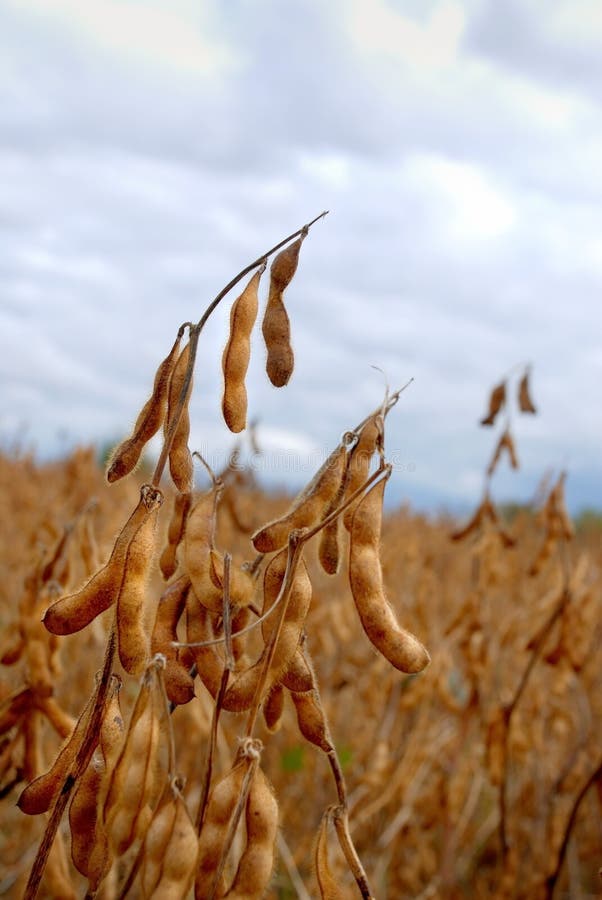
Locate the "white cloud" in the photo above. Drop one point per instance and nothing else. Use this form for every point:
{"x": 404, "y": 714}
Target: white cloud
{"x": 157, "y": 34}
{"x": 469, "y": 202}
{"x": 377, "y": 28}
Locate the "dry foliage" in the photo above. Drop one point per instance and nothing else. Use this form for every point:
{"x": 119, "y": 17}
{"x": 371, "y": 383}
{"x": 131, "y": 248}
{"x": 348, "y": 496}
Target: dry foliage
{"x": 268, "y": 724}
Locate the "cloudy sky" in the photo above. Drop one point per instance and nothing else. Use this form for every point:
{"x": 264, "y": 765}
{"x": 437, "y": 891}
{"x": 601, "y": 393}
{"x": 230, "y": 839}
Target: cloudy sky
{"x": 149, "y": 149}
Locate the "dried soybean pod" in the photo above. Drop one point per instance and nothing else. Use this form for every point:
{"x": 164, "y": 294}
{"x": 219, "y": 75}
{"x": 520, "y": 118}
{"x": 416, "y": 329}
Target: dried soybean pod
{"x": 111, "y": 743}
{"x": 132, "y": 632}
{"x": 150, "y": 419}
{"x": 525, "y": 403}
{"x": 239, "y": 695}
{"x": 299, "y": 676}
{"x": 273, "y": 708}
{"x": 509, "y": 445}
{"x": 240, "y": 620}
{"x": 242, "y": 584}
{"x": 179, "y": 685}
{"x": 175, "y": 532}
{"x": 398, "y": 646}
{"x": 235, "y": 360}
{"x": 497, "y": 398}
{"x": 276, "y": 326}
{"x": 360, "y": 456}
{"x": 38, "y": 796}
{"x": 272, "y": 583}
{"x": 276, "y": 330}
{"x": 73, "y": 612}
{"x": 560, "y": 512}
{"x": 170, "y": 850}
{"x": 471, "y": 526}
{"x": 220, "y": 807}
{"x": 308, "y": 508}
{"x": 112, "y": 729}
{"x": 83, "y": 814}
{"x": 198, "y": 628}
{"x": 135, "y": 780}
{"x": 257, "y": 861}
{"x": 312, "y": 721}
{"x": 329, "y": 887}
{"x": 505, "y": 443}
{"x": 198, "y": 543}
{"x": 180, "y": 458}
{"x": 284, "y": 265}
{"x": 328, "y": 547}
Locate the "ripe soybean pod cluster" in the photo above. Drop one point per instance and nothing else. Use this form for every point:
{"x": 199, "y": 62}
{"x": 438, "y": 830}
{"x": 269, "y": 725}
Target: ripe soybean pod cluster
{"x": 244, "y": 620}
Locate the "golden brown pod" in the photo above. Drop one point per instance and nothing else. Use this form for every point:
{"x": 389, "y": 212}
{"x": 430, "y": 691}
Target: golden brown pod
{"x": 312, "y": 721}
{"x": 257, "y": 861}
{"x": 73, "y": 612}
{"x": 220, "y": 807}
{"x": 497, "y": 398}
{"x": 170, "y": 850}
{"x": 308, "y": 507}
{"x": 273, "y": 708}
{"x": 236, "y": 356}
{"x": 299, "y": 675}
{"x": 472, "y": 525}
{"x": 132, "y": 632}
{"x": 179, "y": 685}
{"x": 525, "y": 403}
{"x": 329, "y": 887}
{"x": 276, "y": 330}
{"x": 284, "y": 265}
{"x": 39, "y": 796}
{"x": 85, "y": 831}
{"x": 505, "y": 443}
{"x": 111, "y": 743}
{"x": 242, "y": 584}
{"x": 239, "y": 695}
{"x": 401, "y": 648}
{"x": 559, "y": 510}
{"x": 168, "y": 562}
{"x": 360, "y": 456}
{"x": 180, "y": 458}
{"x": 198, "y": 628}
{"x": 135, "y": 783}
{"x": 126, "y": 455}
{"x": 276, "y": 326}
{"x": 198, "y": 543}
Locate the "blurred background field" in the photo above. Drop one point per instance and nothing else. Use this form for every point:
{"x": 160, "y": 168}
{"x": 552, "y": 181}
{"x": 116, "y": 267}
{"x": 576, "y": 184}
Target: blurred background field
{"x": 422, "y": 755}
